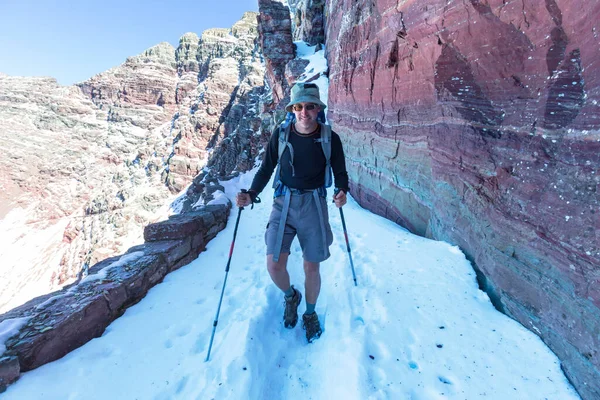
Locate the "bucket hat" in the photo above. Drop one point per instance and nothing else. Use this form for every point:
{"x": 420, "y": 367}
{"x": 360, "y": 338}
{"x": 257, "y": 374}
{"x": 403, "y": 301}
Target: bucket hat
{"x": 304, "y": 93}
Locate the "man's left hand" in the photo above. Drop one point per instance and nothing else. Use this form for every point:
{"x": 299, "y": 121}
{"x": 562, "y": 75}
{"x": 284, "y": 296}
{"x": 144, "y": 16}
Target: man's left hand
{"x": 340, "y": 199}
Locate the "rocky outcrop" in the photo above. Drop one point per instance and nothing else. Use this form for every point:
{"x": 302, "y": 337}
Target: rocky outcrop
{"x": 226, "y": 110}
{"x": 221, "y": 124}
{"x": 204, "y": 89}
{"x": 308, "y": 21}
{"x": 60, "y": 322}
{"x": 87, "y": 166}
{"x": 476, "y": 122}
{"x": 141, "y": 91}
{"x": 275, "y": 37}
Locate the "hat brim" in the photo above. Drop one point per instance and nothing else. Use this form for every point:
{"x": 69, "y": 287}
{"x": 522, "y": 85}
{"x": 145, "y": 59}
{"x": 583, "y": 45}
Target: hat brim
{"x": 305, "y": 99}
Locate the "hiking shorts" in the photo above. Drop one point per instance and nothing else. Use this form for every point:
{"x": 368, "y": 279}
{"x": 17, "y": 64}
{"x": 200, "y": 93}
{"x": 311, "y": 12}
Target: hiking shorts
{"x": 303, "y": 221}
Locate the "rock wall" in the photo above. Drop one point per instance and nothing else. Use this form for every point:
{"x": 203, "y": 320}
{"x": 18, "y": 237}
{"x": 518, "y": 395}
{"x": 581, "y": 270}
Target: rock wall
{"x": 275, "y": 37}
{"x": 477, "y": 122}
{"x": 55, "y": 324}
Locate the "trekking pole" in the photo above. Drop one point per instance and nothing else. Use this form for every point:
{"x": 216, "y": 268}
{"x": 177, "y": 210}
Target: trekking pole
{"x": 237, "y": 222}
{"x": 347, "y": 242}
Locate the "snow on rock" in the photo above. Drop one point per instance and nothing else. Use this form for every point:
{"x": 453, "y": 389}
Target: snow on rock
{"x": 101, "y": 274}
{"x": 9, "y": 366}
{"x": 219, "y": 198}
{"x": 308, "y": 20}
{"x": 8, "y": 328}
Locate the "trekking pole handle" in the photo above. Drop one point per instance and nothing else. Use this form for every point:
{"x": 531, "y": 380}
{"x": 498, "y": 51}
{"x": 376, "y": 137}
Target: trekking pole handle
{"x": 255, "y": 200}
{"x": 244, "y": 191}
{"x": 335, "y": 192}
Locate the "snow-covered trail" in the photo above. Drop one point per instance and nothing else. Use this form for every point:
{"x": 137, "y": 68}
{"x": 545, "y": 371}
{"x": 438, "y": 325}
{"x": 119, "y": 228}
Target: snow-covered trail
{"x": 416, "y": 327}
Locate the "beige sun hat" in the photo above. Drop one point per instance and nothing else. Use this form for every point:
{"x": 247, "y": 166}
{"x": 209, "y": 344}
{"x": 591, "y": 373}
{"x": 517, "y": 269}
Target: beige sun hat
{"x": 304, "y": 93}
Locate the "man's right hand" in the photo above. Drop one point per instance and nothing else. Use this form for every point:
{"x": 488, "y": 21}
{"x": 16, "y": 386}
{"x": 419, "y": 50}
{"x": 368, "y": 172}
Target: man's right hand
{"x": 243, "y": 199}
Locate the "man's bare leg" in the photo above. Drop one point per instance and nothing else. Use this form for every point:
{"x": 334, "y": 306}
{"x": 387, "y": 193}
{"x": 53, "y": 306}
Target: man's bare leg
{"x": 312, "y": 282}
{"x": 281, "y": 278}
{"x": 312, "y": 286}
{"x": 278, "y": 271}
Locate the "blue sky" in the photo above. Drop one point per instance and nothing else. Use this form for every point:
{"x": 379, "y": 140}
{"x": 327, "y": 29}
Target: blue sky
{"x": 72, "y": 40}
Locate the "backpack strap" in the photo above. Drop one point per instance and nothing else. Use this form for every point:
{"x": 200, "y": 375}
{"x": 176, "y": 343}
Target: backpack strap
{"x": 281, "y": 228}
{"x": 321, "y": 222}
{"x": 282, "y": 144}
{"x": 326, "y": 146}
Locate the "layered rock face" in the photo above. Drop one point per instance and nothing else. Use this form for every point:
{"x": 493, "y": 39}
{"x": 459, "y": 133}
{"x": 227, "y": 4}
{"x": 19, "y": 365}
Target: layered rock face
{"x": 86, "y": 167}
{"x": 204, "y": 87}
{"x": 225, "y": 114}
{"x": 477, "y": 123}
{"x": 275, "y": 36}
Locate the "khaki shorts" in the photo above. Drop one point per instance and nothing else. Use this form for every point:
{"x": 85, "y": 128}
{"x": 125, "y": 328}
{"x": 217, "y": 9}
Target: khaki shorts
{"x": 302, "y": 220}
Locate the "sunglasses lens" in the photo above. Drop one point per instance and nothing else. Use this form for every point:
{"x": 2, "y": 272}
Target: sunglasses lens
{"x": 299, "y": 107}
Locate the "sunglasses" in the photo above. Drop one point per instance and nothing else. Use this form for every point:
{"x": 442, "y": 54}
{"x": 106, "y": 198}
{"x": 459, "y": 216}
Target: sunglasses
{"x": 308, "y": 107}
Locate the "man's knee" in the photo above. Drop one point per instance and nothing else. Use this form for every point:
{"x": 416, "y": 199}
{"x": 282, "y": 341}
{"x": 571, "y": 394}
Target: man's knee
{"x": 277, "y": 266}
{"x": 311, "y": 268}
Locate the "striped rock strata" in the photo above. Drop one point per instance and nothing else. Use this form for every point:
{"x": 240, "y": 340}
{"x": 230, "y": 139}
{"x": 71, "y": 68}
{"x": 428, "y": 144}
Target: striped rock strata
{"x": 477, "y": 122}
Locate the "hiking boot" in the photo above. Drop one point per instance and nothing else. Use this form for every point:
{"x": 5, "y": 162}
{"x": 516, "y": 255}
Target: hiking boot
{"x": 310, "y": 322}
{"x": 290, "y": 315}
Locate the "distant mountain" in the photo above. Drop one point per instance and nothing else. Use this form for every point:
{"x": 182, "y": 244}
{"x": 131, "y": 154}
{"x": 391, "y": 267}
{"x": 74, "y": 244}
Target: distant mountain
{"x": 85, "y": 167}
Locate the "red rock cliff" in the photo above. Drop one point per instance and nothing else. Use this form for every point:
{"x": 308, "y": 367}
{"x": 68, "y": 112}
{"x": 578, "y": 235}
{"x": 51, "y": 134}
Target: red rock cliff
{"x": 476, "y": 122}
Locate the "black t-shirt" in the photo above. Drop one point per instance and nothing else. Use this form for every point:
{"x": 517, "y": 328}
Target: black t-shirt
{"x": 309, "y": 162}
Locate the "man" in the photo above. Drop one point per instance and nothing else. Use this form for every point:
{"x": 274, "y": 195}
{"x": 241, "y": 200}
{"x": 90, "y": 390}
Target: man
{"x": 300, "y": 206}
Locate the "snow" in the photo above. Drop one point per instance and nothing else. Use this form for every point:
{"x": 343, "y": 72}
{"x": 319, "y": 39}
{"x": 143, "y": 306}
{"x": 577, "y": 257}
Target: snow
{"x": 26, "y": 247}
{"x": 8, "y": 328}
{"x": 303, "y": 49}
{"x": 219, "y": 198}
{"x": 417, "y": 327}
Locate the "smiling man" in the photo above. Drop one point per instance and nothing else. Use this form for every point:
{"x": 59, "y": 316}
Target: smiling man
{"x": 300, "y": 206}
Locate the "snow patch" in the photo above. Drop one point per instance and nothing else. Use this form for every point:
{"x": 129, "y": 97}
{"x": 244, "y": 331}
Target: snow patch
{"x": 303, "y": 49}
{"x": 454, "y": 250}
{"x": 9, "y": 328}
{"x": 219, "y": 198}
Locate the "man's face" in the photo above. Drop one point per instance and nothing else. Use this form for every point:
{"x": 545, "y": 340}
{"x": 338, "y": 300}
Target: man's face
{"x": 306, "y": 113}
